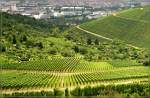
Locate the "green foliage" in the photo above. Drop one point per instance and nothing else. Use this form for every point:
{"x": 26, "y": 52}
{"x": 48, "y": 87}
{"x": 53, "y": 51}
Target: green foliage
{"x": 23, "y": 36}
{"x": 56, "y": 32}
{"x": 53, "y": 73}
{"x": 31, "y": 94}
{"x": 146, "y": 63}
{"x": 58, "y": 92}
{"x": 141, "y": 13}
{"x": 24, "y": 41}
{"x": 89, "y": 41}
{"x": 114, "y": 90}
{"x": 40, "y": 45}
{"x": 2, "y": 48}
{"x": 29, "y": 47}
{"x": 18, "y": 21}
{"x": 68, "y": 53}
{"x": 76, "y": 92}
{"x": 131, "y": 90}
{"x": 100, "y": 49}
{"x": 96, "y": 42}
{"x": 125, "y": 63}
{"x": 66, "y": 92}
{"x": 131, "y": 26}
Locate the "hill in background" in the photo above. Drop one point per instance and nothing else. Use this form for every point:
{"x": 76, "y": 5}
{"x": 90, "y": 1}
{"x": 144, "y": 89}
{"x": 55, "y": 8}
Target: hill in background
{"x": 27, "y": 39}
{"x": 131, "y": 26}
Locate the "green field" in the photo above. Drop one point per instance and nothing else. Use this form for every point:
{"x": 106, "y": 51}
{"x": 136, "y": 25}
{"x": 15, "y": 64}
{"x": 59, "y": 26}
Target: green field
{"x": 130, "y": 26}
{"x": 42, "y": 58}
{"x": 69, "y": 73}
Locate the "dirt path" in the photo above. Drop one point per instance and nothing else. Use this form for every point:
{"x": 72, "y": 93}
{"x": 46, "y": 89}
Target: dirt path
{"x": 100, "y": 36}
{"x": 94, "y": 33}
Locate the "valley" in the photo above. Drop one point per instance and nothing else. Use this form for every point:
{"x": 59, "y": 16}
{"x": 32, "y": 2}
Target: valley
{"x": 108, "y": 56}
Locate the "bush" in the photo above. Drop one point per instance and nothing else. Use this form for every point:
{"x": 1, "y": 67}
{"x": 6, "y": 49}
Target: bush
{"x": 2, "y": 48}
{"x": 76, "y": 92}
{"x": 66, "y": 92}
{"x": 146, "y": 63}
{"x": 58, "y": 92}
{"x": 67, "y": 53}
{"x": 53, "y": 51}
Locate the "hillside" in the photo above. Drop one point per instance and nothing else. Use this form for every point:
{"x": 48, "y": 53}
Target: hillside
{"x": 130, "y": 26}
{"x": 26, "y": 39}
{"x": 40, "y": 58}
{"x": 140, "y": 14}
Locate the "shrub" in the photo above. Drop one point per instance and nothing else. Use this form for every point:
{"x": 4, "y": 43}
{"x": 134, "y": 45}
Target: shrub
{"x": 58, "y": 92}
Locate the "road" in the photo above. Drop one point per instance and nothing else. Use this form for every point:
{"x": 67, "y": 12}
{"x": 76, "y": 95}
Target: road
{"x": 100, "y": 36}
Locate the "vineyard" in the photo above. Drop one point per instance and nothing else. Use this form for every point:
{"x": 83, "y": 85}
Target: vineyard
{"x": 107, "y": 56}
{"x": 131, "y": 26}
{"x": 68, "y": 73}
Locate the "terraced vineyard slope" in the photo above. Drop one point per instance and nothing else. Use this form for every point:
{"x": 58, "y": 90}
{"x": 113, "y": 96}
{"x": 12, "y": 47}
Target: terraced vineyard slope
{"x": 131, "y": 26}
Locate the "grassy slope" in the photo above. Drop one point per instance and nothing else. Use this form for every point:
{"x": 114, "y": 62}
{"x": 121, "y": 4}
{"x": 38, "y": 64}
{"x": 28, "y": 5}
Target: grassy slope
{"x": 137, "y": 13}
{"x": 130, "y": 25}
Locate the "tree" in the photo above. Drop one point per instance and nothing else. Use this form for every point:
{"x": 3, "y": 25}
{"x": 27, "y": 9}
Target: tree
{"x": 76, "y": 92}
{"x": 2, "y": 48}
{"x": 96, "y": 42}
{"x": 23, "y": 38}
{"x": 56, "y": 32}
{"x": 146, "y": 62}
{"x": 14, "y": 40}
{"x": 40, "y": 45}
{"x": 53, "y": 51}
{"x": 69, "y": 37}
{"x": 89, "y": 41}
{"x": 30, "y": 44}
{"x": 66, "y": 92}
{"x": 58, "y": 92}
{"x": 87, "y": 91}
{"x": 67, "y": 53}
{"x": 83, "y": 50}
{"x": 76, "y": 49}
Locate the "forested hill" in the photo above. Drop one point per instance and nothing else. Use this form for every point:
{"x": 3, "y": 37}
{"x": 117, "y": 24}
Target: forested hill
{"x": 41, "y": 25}
{"x": 26, "y": 39}
{"x": 30, "y": 23}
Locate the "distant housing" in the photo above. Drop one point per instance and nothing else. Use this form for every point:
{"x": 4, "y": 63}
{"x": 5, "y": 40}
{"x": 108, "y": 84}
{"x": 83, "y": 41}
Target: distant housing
{"x": 42, "y": 10}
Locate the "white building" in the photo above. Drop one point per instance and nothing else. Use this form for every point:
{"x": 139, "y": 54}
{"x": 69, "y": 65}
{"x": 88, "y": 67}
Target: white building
{"x": 57, "y": 14}
{"x": 13, "y": 7}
